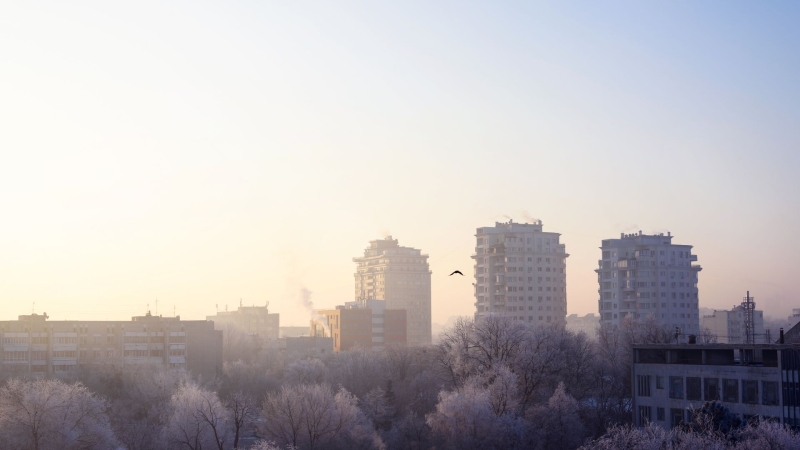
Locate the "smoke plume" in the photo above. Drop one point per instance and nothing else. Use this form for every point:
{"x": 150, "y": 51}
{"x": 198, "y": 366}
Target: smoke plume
{"x": 308, "y": 304}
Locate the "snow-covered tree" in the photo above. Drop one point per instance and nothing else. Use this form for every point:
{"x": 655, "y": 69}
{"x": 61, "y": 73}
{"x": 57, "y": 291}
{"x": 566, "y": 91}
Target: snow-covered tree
{"x": 197, "y": 419}
{"x": 313, "y": 417}
{"x": 558, "y": 424}
{"x": 50, "y": 414}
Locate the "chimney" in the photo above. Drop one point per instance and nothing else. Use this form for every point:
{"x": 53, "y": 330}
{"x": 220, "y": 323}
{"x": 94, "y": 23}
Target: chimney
{"x": 781, "y": 336}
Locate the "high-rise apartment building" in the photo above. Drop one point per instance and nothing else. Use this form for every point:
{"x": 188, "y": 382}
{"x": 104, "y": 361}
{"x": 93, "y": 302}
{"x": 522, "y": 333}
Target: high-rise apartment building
{"x": 520, "y": 272}
{"x": 647, "y": 275}
{"x": 400, "y": 276}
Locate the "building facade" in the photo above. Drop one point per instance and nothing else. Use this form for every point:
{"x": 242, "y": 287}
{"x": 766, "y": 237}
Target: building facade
{"x": 33, "y": 345}
{"x": 730, "y": 327}
{"x": 361, "y": 324}
{"x": 520, "y": 272}
{"x": 402, "y": 278}
{"x": 647, "y": 275}
{"x": 253, "y": 320}
{"x": 751, "y": 380}
{"x": 587, "y": 324}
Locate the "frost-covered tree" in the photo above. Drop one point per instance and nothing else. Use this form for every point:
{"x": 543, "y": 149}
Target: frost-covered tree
{"x": 558, "y": 425}
{"x": 377, "y": 408}
{"x": 305, "y": 371}
{"x": 50, "y": 414}
{"x": 481, "y": 414}
{"x": 197, "y": 419}
{"x": 314, "y": 417}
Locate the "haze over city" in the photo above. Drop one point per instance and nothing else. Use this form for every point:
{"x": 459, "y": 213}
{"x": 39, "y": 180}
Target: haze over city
{"x": 199, "y": 154}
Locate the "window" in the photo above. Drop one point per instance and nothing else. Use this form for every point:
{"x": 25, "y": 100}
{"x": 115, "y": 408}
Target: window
{"x": 675, "y": 387}
{"x": 643, "y": 386}
{"x": 770, "y": 392}
{"x": 660, "y": 414}
{"x": 749, "y": 391}
{"x": 644, "y": 415}
{"x": 659, "y": 382}
{"x": 730, "y": 391}
{"x": 693, "y": 391}
{"x": 676, "y": 416}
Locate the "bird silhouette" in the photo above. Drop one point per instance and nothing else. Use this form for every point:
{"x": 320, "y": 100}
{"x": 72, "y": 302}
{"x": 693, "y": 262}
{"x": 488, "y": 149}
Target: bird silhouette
{"x": 456, "y": 272}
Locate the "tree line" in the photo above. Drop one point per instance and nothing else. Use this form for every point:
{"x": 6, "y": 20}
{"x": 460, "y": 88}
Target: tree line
{"x": 494, "y": 383}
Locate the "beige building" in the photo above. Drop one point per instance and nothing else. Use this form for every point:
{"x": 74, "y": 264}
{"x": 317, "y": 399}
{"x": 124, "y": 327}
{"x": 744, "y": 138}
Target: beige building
{"x": 253, "y": 320}
{"x": 361, "y": 324}
{"x": 584, "y": 324}
{"x": 520, "y": 272}
{"x": 400, "y": 276}
{"x": 32, "y": 344}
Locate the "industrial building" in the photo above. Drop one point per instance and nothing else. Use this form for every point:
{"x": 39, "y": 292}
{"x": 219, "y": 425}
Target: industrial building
{"x": 752, "y": 380}
{"x": 252, "y": 320}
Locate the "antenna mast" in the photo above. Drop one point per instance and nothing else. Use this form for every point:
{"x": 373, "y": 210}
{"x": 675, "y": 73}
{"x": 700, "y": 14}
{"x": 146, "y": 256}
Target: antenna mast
{"x": 749, "y": 306}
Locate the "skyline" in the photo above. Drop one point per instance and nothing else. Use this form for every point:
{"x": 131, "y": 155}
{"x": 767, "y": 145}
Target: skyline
{"x": 201, "y": 153}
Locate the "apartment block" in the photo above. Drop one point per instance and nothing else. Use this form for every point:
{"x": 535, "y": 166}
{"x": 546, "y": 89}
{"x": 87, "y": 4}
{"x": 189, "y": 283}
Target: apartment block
{"x": 401, "y": 277}
{"x": 751, "y": 380}
{"x": 34, "y": 345}
{"x": 730, "y": 327}
{"x": 584, "y": 324}
{"x": 520, "y": 272}
{"x": 253, "y": 320}
{"x": 647, "y": 275}
{"x": 362, "y": 324}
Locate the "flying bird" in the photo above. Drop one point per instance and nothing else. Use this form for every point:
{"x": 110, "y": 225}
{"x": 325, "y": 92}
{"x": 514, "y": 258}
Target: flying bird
{"x": 456, "y": 272}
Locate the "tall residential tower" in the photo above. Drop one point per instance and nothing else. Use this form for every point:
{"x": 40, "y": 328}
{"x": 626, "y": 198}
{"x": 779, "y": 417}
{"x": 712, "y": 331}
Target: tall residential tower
{"x": 641, "y": 275}
{"x": 401, "y": 276}
{"x": 520, "y": 272}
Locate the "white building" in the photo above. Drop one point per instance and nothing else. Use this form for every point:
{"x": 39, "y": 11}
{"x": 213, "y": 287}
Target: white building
{"x": 402, "y": 277}
{"x": 647, "y": 275}
{"x": 587, "y": 324}
{"x": 730, "y": 326}
{"x": 520, "y": 272}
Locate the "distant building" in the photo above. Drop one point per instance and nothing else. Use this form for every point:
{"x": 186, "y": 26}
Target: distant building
{"x": 285, "y": 332}
{"x": 520, "y": 272}
{"x": 794, "y": 317}
{"x": 751, "y": 380}
{"x": 309, "y": 345}
{"x": 400, "y": 276}
{"x": 361, "y": 324}
{"x": 40, "y": 347}
{"x": 587, "y": 324}
{"x": 253, "y": 320}
{"x": 730, "y": 326}
{"x": 647, "y": 275}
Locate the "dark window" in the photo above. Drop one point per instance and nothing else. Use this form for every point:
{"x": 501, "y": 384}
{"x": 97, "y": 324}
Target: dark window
{"x": 660, "y": 414}
{"x": 643, "y": 385}
{"x": 644, "y": 415}
{"x": 711, "y": 388}
{"x": 675, "y": 387}
{"x": 749, "y": 391}
{"x": 730, "y": 390}
{"x": 769, "y": 392}
{"x": 659, "y": 382}
{"x": 676, "y": 416}
{"x": 693, "y": 391}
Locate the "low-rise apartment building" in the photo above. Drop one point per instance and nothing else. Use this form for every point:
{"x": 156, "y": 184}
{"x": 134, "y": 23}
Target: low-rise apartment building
{"x": 34, "y": 345}
{"x": 365, "y": 324}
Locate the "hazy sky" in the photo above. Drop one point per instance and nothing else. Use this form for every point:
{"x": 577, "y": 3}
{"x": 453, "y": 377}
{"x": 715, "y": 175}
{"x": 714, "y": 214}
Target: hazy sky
{"x": 200, "y": 153}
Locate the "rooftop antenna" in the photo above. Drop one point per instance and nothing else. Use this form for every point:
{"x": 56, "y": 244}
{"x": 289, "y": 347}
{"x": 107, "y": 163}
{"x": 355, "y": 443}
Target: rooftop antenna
{"x": 240, "y": 303}
{"x": 33, "y": 308}
{"x": 216, "y": 305}
{"x": 749, "y": 306}
{"x": 156, "y": 306}
{"x": 173, "y": 310}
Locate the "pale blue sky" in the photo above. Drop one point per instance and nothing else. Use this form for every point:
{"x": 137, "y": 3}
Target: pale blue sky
{"x": 204, "y": 152}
